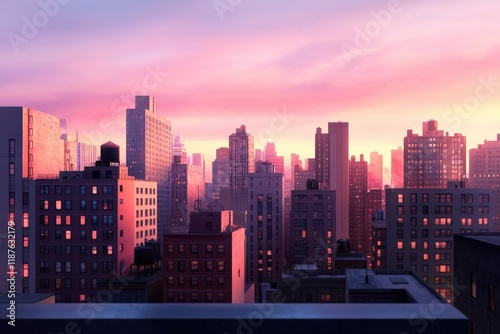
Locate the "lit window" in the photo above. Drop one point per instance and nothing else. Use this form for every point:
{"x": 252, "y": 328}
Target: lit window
{"x": 58, "y": 205}
{"x": 400, "y": 245}
{"x": 94, "y": 250}
{"x": 25, "y": 270}
{"x": 68, "y": 235}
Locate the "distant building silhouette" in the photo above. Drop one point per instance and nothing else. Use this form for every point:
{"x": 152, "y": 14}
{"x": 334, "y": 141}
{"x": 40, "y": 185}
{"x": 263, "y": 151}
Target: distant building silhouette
{"x": 484, "y": 172}
{"x": 434, "y": 158}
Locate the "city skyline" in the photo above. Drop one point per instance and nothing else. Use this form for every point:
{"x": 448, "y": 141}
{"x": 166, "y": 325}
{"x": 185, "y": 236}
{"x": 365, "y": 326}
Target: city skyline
{"x": 268, "y": 66}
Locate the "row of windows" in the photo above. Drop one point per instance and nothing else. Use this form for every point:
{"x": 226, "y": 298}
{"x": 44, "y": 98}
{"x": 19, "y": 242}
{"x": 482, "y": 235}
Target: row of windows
{"x": 107, "y": 204}
{"x": 194, "y": 296}
{"x": 437, "y": 245}
{"x": 93, "y": 220}
{"x": 68, "y": 249}
{"x": 425, "y": 256}
{"x": 195, "y": 280}
{"x": 195, "y": 248}
{"x": 194, "y": 265}
{"x": 68, "y": 190}
{"x": 68, "y": 283}
{"x": 438, "y": 221}
{"x": 66, "y": 267}
{"x": 445, "y": 198}
{"x": 150, "y": 191}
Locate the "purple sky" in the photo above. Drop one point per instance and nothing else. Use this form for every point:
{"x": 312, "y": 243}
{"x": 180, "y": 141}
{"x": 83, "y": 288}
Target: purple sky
{"x": 382, "y": 66}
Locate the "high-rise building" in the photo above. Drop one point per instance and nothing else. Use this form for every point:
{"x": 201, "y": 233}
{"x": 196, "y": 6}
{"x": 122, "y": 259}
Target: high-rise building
{"x": 376, "y": 171}
{"x": 433, "y": 159}
{"x": 188, "y": 189}
{"x": 265, "y": 254}
{"x": 312, "y": 228}
{"x": 88, "y": 224}
{"x": 477, "y": 280}
{"x": 149, "y": 152}
{"x": 271, "y": 155}
{"x": 199, "y": 160}
{"x": 359, "y": 229}
{"x": 332, "y": 169}
{"x": 294, "y": 161}
{"x": 421, "y": 224}
{"x": 484, "y": 172}
{"x": 30, "y": 148}
{"x": 302, "y": 175}
{"x": 77, "y": 154}
{"x": 206, "y": 265}
{"x": 220, "y": 179}
{"x": 397, "y": 168}
{"x": 241, "y": 162}
{"x": 179, "y": 149}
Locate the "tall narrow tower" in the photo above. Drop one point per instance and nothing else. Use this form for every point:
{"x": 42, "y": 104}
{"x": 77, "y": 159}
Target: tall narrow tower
{"x": 241, "y": 162}
{"x": 149, "y": 152}
{"x": 332, "y": 169}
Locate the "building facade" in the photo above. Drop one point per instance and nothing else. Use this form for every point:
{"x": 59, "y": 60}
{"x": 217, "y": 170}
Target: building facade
{"x": 312, "y": 228}
{"x": 149, "y": 152}
{"x": 88, "y": 224}
{"x": 376, "y": 171}
{"x": 477, "y": 283}
{"x": 207, "y": 265}
{"x": 421, "y": 224}
{"x": 265, "y": 225}
{"x": 31, "y": 147}
{"x": 484, "y": 172}
{"x": 220, "y": 179}
{"x": 241, "y": 162}
{"x": 359, "y": 229}
{"x": 434, "y": 158}
{"x": 332, "y": 169}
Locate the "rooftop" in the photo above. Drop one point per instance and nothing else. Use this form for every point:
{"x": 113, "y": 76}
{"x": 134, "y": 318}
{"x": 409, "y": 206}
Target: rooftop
{"x": 489, "y": 238}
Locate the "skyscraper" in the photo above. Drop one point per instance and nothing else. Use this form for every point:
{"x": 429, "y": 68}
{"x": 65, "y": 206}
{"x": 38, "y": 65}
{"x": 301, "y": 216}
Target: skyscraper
{"x": 359, "y": 230}
{"x": 484, "y": 172}
{"x": 149, "y": 152}
{"x": 220, "y": 179}
{"x": 188, "y": 187}
{"x": 241, "y": 162}
{"x": 376, "y": 171}
{"x": 265, "y": 225}
{"x": 397, "y": 168}
{"x": 433, "y": 159}
{"x": 294, "y": 161}
{"x": 332, "y": 169}
{"x": 30, "y": 148}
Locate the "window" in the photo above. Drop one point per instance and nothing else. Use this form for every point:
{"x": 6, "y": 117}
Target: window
{"x": 181, "y": 280}
{"x": 67, "y": 249}
{"x": 220, "y": 280}
{"x": 170, "y": 280}
{"x": 170, "y": 249}
{"x": 194, "y": 249}
{"x": 209, "y": 297}
{"x": 25, "y": 242}
{"x": 83, "y": 190}
{"x": 220, "y": 297}
{"x": 93, "y": 204}
{"x": 68, "y": 266}
{"x": 94, "y": 250}
{"x": 209, "y": 266}
{"x": 44, "y": 266}
{"x": 208, "y": 280}
{"x": 68, "y": 235}
{"x": 44, "y": 283}
{"x": 12, "y": 146}
{"x": 83, "y": 249}
{"x": 82, "y": 286}
{"x": 58, "y": 283}
{"x": 400, "y": 198}
{"x": 82, "y": 266}
{"x": 220, "y": 249}
{"x": 220, "y": 266}
{"x": 67, "y": 190}
{"x": 194, "y": 265}
{"x": 209, "y": 248}
{"x": 401, "y": 210}
{"x": 194, "y": 281}
{"x": 44, "y": 249}
{"x": 11, "y": 169}
{"x": 94, "y": 266}
{"x": 472, "y": 286}
{"x": 83, "y": 204}
{"x": 67, "y": 205}
{"x": 181, "y": 265}
{"x": 58, "y": 266}
{"x": 170, "y": 265}
{"x": 400, "y": 245}
{"x": 181, "y": 248}
{"x": 491, "y": 298}
{"x": 94, "y": 190}
{"x": 58, "y": 234}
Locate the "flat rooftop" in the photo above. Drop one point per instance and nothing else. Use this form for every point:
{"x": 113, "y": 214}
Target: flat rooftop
{"x": 380, "y": 281}
{"x": 488, "y": 238}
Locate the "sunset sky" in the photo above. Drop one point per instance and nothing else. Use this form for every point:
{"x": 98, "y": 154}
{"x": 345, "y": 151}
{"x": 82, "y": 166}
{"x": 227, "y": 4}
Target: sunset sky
{"x": 382, "y": 66}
